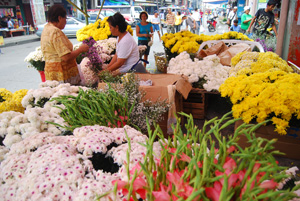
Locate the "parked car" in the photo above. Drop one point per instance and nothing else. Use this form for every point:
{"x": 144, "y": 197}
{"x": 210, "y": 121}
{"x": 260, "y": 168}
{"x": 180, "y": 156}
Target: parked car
{"x": 72, "y": 26}
{"x": 105, "y": 12}
{"x": 93, "y": 16}
{"x": 130, "y": 13}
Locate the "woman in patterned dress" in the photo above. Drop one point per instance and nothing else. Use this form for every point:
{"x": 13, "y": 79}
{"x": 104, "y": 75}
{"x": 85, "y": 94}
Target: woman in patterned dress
{"x": 58, "y": 50}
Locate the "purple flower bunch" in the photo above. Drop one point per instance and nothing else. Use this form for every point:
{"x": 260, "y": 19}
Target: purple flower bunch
{"x": 95, "y": 62}
{"x": 263, "y": 44}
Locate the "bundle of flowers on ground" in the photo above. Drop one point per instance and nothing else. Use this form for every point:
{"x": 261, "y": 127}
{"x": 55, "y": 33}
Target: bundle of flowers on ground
{"x": 75, "y": 167}
{"x": 98, "y": 30}
{"x": 208, "y": 73}
{"x": 36, "y": 59}
{"x": 248, "y": 63}
{"x": 187, "y": 170}
{"x": 272, "y": 94}
{"x": 268, "y": 43}
{"x": 11, "y": 101}
{"x": 128, "y": 85}
{"x": 182, "y": 41}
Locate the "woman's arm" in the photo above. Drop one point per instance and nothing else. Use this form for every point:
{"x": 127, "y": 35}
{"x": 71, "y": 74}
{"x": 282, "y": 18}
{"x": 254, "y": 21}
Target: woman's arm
{"x": 138, "y": 32}
{"x": 116, "y": 65}
{"x": 72, "y": 55}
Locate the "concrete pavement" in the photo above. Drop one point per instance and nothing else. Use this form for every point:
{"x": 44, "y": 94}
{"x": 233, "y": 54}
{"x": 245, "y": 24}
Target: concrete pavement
{"x": 17, "y": 40}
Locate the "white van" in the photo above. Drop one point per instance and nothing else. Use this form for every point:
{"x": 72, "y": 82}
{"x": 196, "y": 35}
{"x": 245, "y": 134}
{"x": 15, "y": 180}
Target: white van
{"x": 130, "y": 11}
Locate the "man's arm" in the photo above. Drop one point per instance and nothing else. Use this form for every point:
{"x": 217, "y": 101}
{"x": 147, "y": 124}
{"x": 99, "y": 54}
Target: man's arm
{"x": 274, "y": 29}
{"x": 252, "y": 21}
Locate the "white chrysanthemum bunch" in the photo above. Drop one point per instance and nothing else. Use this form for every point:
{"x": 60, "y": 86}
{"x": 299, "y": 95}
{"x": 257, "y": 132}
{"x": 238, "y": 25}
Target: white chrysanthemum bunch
{"x": 105, "y": 48}
{"x": 15, "y": 126}
{"x": 36, "y": 55}
{"x": 48, "y": 90}
{"x": 209, "y": 69}
{"x": 45, "y": 166}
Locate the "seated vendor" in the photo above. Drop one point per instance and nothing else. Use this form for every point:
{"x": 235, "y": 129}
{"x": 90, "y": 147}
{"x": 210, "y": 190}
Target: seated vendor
{"x": 127, "y": 52}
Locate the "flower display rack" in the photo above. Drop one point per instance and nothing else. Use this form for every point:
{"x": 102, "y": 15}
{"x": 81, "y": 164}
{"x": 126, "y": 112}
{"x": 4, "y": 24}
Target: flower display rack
{"x": 195, "y": 103}
{"x": 288, "y": 144}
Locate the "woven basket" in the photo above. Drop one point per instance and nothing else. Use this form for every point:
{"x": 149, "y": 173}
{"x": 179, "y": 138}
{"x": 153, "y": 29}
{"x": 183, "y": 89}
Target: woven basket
{"x": 161, "y": 62}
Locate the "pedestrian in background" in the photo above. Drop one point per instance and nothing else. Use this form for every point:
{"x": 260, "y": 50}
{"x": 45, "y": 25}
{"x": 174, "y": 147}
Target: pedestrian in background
{"x": 235, "y": 26}
{"x": 10, "y": 24}
{"x": 144, "y": 32}
{"x": 246, "y": 19}
{"x": 58, "y": 50}
{"x": 232, "y": 16}
{"x": 155, "y": 24}
{"x": 170, "y": 21}
{"x": 197, "y": 17}
{"x": 189, "y": 21}
{"x": 264, "y": 18}
{"x": 178, "y": 21}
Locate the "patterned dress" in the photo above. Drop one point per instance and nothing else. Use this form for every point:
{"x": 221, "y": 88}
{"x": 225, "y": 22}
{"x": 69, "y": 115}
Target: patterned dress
{"x": 55, "y": 44}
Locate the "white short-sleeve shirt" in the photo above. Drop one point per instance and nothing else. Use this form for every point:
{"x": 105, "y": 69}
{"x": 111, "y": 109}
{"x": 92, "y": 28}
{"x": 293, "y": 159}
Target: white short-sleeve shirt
{"x": 127, "y": 49}
{"x": 196, "y": 16}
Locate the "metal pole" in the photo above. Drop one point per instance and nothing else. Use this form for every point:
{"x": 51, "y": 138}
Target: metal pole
{"x": 100, "y": 10}
{"x": 281, "y": 28}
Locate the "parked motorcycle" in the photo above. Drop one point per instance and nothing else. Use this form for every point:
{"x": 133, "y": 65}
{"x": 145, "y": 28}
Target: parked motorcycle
{"x": 212, "y": 23}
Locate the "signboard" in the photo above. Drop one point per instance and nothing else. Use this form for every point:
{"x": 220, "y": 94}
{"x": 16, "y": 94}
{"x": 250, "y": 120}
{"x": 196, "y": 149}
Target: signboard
{"x": 38, "y": 12}
{"x": 1, "y": 41}
{"x": 8, "y": 3}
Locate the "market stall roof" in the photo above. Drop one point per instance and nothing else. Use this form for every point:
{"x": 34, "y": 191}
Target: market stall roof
{"x": 215, "y": 1}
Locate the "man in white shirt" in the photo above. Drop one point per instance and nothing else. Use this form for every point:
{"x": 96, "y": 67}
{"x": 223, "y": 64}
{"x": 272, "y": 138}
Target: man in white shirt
{"x": 197, "y": 17}
{"x": 155, "y": 24}
{"x": 232, "y": 16}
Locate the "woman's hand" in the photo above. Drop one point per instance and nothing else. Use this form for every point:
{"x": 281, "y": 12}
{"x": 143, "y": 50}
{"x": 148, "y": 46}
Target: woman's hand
{"x": 84, "y": 48}
{"x": 104, "y": 66}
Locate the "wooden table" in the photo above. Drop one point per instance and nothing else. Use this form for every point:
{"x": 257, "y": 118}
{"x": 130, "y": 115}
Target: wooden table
{"x": 16, "y": 30}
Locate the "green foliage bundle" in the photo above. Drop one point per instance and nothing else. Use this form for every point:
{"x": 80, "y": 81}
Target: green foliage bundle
{"x": 92, "y": 107}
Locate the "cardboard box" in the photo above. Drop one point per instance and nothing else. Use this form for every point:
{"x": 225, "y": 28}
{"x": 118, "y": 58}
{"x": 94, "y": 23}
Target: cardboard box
{"x": 159, "y": 91}
{"x": 288, "y": 144}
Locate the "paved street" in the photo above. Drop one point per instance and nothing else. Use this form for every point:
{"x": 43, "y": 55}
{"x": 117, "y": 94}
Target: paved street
{"x": 15, "y": 75}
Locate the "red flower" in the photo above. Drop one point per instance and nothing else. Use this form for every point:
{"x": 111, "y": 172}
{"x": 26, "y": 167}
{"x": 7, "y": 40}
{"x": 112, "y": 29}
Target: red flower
{"x": 231, "y": 149}
{"x": 184, "y": 157}
{"x": 214, "y": 192}
{"x": 268, "y": 184}
{"x": 161, "y": 195}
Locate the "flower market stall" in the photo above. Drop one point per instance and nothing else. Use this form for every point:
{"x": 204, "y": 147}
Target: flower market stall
{"x": 66, "y": 147}
{"x": 108, "y": 142}
{"x": 205, "y": 74}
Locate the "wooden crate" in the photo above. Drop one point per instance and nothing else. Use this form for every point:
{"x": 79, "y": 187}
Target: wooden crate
{"x": 195, "y": 103}
{"x": 288, "y": 144}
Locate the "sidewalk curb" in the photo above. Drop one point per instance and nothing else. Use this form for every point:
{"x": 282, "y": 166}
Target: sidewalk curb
{"x": 9, "y": 44}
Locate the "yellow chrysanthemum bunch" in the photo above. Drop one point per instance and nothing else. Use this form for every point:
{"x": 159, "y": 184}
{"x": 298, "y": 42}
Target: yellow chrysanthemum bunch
{"x": 187, "y": 41}
{"x": 273, "y": 94}
{"x": 247, "y": 63}
{"x": 11, "y": 101}
{"x": 99, "y": 30}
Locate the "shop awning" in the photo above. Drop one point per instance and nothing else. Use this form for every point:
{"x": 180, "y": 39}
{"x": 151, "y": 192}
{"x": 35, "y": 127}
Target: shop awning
{"x": 215, "y": 1}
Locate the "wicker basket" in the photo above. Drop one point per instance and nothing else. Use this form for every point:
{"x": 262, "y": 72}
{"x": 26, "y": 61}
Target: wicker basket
{"x": 161, "y": 62}
{"x": 294, "y": 67}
